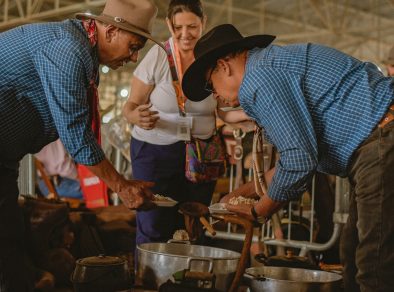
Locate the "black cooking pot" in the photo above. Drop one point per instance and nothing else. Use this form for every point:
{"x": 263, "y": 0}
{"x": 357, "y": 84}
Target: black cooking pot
{"x": 101, "y": 273}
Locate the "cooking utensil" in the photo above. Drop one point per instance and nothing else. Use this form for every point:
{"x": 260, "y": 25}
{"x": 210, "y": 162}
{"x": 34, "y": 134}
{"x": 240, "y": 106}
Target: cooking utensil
{"x": 289, "y": 261}
{"x": 158, "y": 261}
{"x": 248, "y": 227}
{"x": 219, "y": 208}
{"x": 197, "y": 210}
{"x": 101, "y": 273}
{"x": 281, "y": 279}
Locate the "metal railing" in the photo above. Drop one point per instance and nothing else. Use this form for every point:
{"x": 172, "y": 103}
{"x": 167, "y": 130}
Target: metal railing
{"x": 266, "y": 235}
{"x": 339, "y": 218}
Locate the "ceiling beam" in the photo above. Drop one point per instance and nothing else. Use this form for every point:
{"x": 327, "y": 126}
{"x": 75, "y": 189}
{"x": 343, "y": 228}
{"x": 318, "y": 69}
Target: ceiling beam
{"x": 41, "y": 15}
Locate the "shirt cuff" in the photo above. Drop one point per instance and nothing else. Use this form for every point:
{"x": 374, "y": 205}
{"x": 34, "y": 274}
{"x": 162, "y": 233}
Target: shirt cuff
{"x": 89, "y": 155}
{"x": 278, "y": 194}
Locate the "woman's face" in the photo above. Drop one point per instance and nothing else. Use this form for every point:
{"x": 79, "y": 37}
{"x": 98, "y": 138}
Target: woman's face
{"x": 186, "y": 28}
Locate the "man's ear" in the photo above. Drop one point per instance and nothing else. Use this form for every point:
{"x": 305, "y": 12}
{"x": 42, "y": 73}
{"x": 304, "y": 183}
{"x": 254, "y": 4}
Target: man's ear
{"x": 225, "y": 65}
{"x": 111, "y": 32}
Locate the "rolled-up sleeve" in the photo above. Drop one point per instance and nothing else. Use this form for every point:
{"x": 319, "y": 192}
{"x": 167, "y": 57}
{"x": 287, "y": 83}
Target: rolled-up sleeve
{"x": 63, "y": 69}
{"x": 276, "y": 101}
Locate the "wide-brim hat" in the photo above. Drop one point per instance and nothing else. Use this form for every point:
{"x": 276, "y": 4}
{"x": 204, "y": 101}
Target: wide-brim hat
{"x": 217, "y": 43}
{"x": 136, "y": 16}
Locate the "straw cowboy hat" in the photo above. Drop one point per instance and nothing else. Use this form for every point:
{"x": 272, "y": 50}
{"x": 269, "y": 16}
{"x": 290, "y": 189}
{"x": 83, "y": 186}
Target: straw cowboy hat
{"x": 218, "y": 42}
{"x": 136, "y": 16}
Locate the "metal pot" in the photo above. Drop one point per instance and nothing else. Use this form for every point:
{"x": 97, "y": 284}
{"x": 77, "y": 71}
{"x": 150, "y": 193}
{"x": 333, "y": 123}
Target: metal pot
{"x": 101, "y": 273}
{"x": 158, "y": 261}
{"x": 281, "y": 279}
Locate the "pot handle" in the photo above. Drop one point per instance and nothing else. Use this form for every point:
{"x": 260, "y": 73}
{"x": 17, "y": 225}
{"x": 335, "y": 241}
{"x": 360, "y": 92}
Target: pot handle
{"x": 178, "y": 241}
{"x": 254, "y": 277}
{"x": 190, "y": 260}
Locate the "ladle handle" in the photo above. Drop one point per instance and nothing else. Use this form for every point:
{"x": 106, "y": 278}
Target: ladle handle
{"x": 208, "y": 226}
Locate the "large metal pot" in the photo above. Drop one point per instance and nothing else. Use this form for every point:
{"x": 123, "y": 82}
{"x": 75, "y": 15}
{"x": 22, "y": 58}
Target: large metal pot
{"x": 158, "y": 261}
{"x": 281, "y": 279}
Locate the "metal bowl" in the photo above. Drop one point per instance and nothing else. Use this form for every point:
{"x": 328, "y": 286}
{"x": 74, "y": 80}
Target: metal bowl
{"x": 281, "y": 279}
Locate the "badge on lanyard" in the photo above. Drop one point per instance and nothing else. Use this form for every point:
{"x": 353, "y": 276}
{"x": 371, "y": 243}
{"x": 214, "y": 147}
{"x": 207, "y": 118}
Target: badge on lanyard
{"x": 184, "y": 125}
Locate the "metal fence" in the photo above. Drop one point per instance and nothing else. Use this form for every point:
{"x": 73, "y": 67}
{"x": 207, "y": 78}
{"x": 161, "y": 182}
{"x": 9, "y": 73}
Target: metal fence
{"x": 266, "y": 234}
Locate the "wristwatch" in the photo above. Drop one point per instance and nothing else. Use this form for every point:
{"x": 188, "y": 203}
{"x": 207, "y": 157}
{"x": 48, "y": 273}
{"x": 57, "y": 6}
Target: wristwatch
{"x": 257, "y": 219}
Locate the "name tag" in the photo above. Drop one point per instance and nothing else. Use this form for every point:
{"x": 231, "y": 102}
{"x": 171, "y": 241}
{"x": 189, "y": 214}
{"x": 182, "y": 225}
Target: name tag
{"x": 184, "y": 125}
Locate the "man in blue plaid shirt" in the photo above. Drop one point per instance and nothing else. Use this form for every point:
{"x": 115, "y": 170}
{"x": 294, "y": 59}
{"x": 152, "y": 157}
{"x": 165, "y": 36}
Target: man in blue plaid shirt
{"x": 48, "y": 89}
{"x": 324, "y": 111}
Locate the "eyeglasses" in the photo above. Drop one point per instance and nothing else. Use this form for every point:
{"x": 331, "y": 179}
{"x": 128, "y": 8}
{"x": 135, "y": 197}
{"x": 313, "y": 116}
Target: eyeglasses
{"x": 208, "y": 84}
{"x": 133, "y": 51}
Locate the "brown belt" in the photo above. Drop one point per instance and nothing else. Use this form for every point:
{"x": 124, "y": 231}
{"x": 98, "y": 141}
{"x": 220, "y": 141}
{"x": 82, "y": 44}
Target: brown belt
{"x": 387, "y": 118}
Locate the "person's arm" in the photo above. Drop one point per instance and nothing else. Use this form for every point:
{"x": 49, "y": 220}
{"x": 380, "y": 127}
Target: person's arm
{"x": 280, "y": 107}
{"x": 236, "y": 119}
{"x": 231, "y": 117}
{"x": 133, "y": 193}
{"x": 137, "y": 108}
{"x": 246, "y": 190}
{"x": 65, "y": 86}
{"x": 265, "y": 207}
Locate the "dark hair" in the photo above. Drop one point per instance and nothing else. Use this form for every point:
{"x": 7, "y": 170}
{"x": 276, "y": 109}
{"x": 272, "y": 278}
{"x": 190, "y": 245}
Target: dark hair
{"x": 193, "y": 6}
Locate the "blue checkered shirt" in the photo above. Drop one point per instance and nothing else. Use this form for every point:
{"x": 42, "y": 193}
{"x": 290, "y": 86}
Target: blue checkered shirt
{"x": 316, "y": 105}
{"x": 44, "y": 79}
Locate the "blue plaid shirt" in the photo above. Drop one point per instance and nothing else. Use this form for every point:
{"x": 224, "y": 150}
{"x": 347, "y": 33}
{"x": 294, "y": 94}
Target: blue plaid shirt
{"x": 316, "y": 105}
{"x": 44, "y": 79}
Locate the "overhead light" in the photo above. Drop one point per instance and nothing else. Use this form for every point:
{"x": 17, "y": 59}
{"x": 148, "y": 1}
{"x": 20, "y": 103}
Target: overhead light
{"x": 105, "y": 69}
{"x": 124, "y": 92}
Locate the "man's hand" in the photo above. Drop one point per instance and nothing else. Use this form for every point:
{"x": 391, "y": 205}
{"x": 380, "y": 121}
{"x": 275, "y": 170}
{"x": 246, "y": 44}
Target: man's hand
{"x": 265, "y": 207}
{"x": 243, "y": 210}
{"x": 227, "y": 198}
{"x": 246, "y": 190}
{"x": 135, "y": 194}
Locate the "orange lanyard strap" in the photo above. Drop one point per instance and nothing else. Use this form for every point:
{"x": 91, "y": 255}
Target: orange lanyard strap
{"x": 176, "y": 77}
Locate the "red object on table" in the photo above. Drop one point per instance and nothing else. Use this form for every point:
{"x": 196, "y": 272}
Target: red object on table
{"x": 94, "y": 190}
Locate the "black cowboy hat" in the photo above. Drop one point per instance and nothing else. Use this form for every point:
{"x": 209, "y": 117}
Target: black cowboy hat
{"x": 218, "y": 42}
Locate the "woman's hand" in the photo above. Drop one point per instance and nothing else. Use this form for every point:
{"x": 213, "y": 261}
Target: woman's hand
{"x": 143, "y": 117}
{"x": 137, "y": 107}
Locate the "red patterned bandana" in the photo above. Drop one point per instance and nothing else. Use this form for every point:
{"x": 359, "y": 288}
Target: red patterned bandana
{"x": 90, "y": 27}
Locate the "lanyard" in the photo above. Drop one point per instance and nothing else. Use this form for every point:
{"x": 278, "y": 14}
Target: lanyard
{"x": 176, "y": 76}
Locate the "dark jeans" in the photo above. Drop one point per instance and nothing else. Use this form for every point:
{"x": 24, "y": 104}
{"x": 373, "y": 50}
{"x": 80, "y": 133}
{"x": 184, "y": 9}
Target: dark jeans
{"x": 13, "y": 270}
{"x": 164, "y": 165}
{"x": 367, "y": 243}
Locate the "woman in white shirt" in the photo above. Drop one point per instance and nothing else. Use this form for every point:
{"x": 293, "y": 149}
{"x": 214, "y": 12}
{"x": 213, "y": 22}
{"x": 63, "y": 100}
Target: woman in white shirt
{"x": 158, "y": 143}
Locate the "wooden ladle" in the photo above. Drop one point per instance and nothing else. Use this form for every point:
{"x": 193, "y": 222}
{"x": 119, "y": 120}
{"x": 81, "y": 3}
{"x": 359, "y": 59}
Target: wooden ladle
{"x": 197, "y": 210}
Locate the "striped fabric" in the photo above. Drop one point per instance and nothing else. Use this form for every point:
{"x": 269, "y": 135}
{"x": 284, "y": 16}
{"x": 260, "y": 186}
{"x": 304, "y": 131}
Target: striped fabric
{"x": 316, "y": 105}
{"x": 44, "y": 78}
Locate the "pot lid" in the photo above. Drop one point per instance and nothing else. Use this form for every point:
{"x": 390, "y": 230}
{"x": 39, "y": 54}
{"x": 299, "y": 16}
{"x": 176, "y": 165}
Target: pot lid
{"x": 101, "y": 260}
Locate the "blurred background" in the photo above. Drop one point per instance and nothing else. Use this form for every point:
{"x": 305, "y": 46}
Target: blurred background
{"x": 361, "y": 28}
